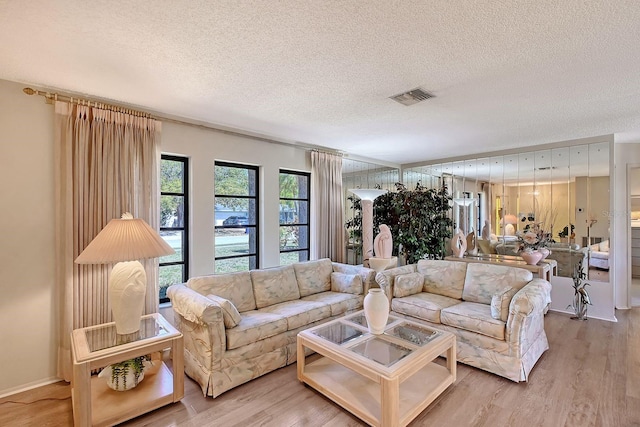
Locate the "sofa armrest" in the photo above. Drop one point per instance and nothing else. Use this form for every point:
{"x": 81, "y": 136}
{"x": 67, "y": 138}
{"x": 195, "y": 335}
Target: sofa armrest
{"x": 201, "y": 323}
{"x": 526, "y": 315}
{"x": 193, "y": 306}
{"x": 367, "y": 274}
{"x": 386, "y": 278}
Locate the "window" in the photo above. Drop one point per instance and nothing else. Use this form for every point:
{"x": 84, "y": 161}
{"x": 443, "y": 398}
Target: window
{"x": 174, "y": 223}
{"x": 236, "y": 217}
{"x": 294, "y": 216}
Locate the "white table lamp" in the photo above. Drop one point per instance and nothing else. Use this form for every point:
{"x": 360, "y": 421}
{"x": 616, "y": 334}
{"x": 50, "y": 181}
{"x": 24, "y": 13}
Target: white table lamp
{"x": 124, "y": 242}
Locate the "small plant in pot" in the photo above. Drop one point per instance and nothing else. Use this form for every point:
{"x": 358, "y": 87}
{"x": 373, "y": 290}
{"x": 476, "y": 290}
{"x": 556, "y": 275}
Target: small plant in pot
{"x": 581, "y": 297}
{"x": 127, "y": 374}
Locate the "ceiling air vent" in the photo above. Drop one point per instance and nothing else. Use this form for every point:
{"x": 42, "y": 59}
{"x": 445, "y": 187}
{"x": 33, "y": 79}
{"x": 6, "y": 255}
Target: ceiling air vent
{"x": 412, "y": 97}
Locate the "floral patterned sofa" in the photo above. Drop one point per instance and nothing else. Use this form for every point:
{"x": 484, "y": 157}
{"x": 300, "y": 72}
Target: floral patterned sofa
{"x": 239, "y": 326}
{"x": 495, "y": 311}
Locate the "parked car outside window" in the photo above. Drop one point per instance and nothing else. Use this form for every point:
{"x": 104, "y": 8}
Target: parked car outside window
{"x": 236, "y": 220}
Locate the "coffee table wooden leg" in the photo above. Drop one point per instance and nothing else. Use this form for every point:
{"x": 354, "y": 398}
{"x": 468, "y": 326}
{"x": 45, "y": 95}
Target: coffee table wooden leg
{"x": 451, "y": 360}
{"x": 301, "y": 358}
{"x": 390, "y": 402}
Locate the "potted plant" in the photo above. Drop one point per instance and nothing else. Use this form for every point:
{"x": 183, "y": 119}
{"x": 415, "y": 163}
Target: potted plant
{"x": 419, "y": 220}
{"x": 581, "y": 297}
{"x": 565, "y": 234}
{"x": 127, "y": 374}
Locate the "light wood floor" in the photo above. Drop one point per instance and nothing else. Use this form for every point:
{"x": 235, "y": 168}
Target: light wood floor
{"x": 589, "y": 377}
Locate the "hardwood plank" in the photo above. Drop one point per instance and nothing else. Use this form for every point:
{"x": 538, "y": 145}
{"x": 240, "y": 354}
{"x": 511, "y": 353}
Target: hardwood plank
{"x": 589, "y": 376}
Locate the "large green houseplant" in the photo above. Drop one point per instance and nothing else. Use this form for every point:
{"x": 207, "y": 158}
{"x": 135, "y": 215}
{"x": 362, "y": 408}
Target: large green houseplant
{"x": 418, "y": 219}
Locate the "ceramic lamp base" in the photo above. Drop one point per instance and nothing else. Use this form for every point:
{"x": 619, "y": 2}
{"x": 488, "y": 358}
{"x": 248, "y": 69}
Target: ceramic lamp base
{"x": 127, "y": 289}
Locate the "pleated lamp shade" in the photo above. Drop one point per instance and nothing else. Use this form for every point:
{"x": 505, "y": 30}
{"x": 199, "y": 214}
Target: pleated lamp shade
{"x": 125, "y": 239}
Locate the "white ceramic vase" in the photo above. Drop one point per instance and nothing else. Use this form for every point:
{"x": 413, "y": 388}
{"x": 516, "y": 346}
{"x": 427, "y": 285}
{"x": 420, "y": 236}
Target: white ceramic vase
{"x": 376, "y": 310}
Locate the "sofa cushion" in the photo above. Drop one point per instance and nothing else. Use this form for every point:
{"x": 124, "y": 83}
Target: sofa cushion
{"x": 299, "y": 313}
{"x": 313, "y": 276}
{"x": 274, "y": 285}
{"x": 408, "y": 284}
{"x": 255, "y": 326}
{"x": 339, "y": 302}
{"x": 236, "y": 287}
{"x": 424, "y": 305}
{"x": 347, "y": 283}
{"x": 604, "y": 246}
{"x": 484, "y": 280}
{"x": 445, "y": 278}
{"x": 230, "y": 315}
{"x": 500, "y": 303}
{"x": 473, "y": 317}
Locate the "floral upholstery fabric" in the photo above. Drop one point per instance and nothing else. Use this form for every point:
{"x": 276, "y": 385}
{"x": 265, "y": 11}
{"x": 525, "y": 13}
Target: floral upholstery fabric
{"x": 338, "y": 302}
{"x": 367, "y": 274}
{"x": 313, "y": 276}
{"x": 443, "y": 277}
{"x": 236, "y": 287}
{"x": 408, "y": 284}
{"x": 473, "y": 317}
{"x": 255, "y": 326}
{"x": 274, "y": 285}
{"x": 511, "y": 348}
{"x": 220, "y": 358}
{"x": 500, "y": 302}
{"x": 230, "y": 314}
{"x": 484, "y": 280}
{"x": 423, "y": 305}
{"x": 299, "y": 313}
{"x": 386, "y": 278}
{"x": 347, "y": 283}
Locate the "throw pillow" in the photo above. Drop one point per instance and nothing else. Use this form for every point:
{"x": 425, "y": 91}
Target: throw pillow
{"x": 500, "y": 303}
{"x": 408, "y": 284}
{"x": 604, "y": 246}
{"x": 230, "y": 314}
{"x": 347, "y": 283}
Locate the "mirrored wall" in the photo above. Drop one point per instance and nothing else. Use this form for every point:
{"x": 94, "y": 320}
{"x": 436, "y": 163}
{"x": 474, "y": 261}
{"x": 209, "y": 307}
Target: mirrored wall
{"x": 360, "y": 174}
{"x": 565, "y": 191}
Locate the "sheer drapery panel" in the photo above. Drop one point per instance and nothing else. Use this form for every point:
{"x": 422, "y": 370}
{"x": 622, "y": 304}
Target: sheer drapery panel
{"x": 106, "y": 164}
{"x": 328, "y": 233}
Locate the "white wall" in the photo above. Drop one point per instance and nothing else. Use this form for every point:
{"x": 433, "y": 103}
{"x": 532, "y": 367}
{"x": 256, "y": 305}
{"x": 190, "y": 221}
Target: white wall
{"x": 28, "y": 334}
{"x": 27, "y": 303}
{"x": 625, "y": 155}
{"x": 204, "y": 147}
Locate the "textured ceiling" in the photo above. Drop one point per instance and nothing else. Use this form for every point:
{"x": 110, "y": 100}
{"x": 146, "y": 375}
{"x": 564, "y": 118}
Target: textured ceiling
{"x": 505, "y": 74}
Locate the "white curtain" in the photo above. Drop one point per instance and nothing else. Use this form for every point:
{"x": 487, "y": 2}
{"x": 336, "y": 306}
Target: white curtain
{"x": 327, "y": 222}
{"x": 106, "y": 164}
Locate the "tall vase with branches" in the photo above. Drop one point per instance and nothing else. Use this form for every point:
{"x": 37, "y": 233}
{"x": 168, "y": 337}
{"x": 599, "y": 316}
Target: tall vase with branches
{"x": 581, "y": 298}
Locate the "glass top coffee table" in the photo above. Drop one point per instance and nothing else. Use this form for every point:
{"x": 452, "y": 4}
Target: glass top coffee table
{"x": 386, "y": 379}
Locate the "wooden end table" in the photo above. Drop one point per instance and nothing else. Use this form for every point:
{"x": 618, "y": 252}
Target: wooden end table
{"x": 385, "y": 380}
{"x": 94, "y": 347}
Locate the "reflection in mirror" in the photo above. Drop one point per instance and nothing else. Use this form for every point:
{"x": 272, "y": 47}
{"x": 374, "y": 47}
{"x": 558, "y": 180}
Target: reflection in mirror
{"x": 564, "y": 190}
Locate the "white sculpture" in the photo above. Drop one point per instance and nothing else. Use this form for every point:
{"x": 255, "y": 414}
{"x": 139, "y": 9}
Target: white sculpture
{"x": 383, "y": 243}
{"x": 459, "y": 244}
{"x": 486, "y": 230}
{"x": 383, "y": 248}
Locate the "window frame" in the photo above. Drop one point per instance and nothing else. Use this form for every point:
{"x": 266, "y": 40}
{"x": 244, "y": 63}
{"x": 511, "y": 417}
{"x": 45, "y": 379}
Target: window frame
{"x": 255, "y": 226}
{"x": 306, "y": 224}
{"x": 185, "y": 225}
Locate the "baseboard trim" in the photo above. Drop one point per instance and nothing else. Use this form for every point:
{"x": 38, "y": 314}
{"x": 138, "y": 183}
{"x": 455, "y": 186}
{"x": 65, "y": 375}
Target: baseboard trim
{"x": 27, "y": 387}
{"x": 607, "y": 319}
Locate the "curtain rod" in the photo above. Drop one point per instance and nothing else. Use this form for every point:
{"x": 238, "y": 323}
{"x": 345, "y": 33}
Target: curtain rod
{"x": 51, "y": 97}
